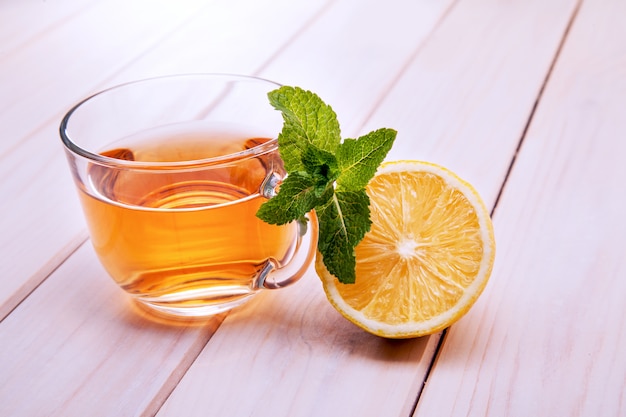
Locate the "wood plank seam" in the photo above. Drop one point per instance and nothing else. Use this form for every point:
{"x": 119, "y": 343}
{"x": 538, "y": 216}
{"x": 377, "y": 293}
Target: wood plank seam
{"x": 533, "y": 110}
{"x": 181, "y": 372}
{"x": 46, "y": 29}
{"x": 175, "y": 377}
{"x": 180, "y": 26}
{"x": 429, "y": 369}
{"x": 412, "y": 57}
{"x": 531, "y": 115}
{"x": 310, "y": 22}
{"x": 404, "y": 68}
{"x": 36, "y": 281}
{"x": 18, "y": 298}
{"x": 103, "y": 83}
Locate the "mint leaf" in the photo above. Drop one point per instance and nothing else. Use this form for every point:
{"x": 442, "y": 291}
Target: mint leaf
{"x": 343, "y": 221}
{"x": 299, "y": 193}
{"x": 325, "y": 174}
{"x": 308, "y": 120}
{"x": 320, "y": 164}
{"x": 359, "y": 158}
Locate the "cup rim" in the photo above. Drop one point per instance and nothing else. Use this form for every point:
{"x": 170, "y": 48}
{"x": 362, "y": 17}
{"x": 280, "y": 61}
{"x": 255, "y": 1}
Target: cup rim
{"x": 99, "y": 159}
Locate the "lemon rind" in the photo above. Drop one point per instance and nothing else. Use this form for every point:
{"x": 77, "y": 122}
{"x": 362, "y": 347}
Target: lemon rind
{"x": 472, "y": 292}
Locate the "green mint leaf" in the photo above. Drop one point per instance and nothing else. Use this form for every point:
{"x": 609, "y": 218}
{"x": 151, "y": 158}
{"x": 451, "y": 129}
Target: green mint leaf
{"x": 298, "y": 194}
{"x": 359, "y": 158}
{"x": 320, "y": 164}
{"x": 325, "y": 174}
{"x": 343, "y": 221}
{"x": 308, "y": 120}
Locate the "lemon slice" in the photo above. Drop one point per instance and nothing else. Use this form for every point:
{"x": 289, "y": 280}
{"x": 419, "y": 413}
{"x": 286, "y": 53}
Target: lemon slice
{"x": 426, "y": 259}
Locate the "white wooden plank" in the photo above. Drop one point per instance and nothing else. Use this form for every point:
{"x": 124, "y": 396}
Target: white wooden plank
{"x": 276, "y": 358}
{"x": 45, "y": 68}
{"x": 41, "y": 222}
{"x": 76, "y": 347}
{"x": 35, "y": 171}
{"x": 230, "y": 36}
{"x": 465, "y": 100}
{"x": 548, "y": 337}
{"x": 102, "y": 39}
{"x": 355, "y": 56}
{"x": 289, "y": 351}
{"x": 37, "y": 84}
{"x": 24, "y": 21}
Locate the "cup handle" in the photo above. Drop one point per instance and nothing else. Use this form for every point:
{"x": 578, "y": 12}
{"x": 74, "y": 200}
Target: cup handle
{"x": 272, "y": 277}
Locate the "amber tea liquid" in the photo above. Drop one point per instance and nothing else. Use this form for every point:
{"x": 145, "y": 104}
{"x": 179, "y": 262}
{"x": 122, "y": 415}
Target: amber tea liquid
{"x": 183, "y": 240}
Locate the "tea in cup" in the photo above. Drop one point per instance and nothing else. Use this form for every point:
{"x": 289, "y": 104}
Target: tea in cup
{"x": 170, "y": 172}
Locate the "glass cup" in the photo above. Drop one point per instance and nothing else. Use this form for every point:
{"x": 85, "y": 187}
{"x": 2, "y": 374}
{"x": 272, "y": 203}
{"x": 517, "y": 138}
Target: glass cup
{"x": 170, "y": 172}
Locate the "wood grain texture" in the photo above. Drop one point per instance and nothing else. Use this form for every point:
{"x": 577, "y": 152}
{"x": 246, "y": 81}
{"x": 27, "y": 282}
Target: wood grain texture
{"x": 196, "y": 394}
{"x": 76, "y": 347}
{"x": 459, "y": 80}
{"x": 548, "y": 337}
{"x": 465, "y": 99}
{"x": 355, "y": 53}
{"x": 226, "y": 36}
{"x": 53, "y": 224}
{"x": 42, "y": 18}
{"x": 368, "y": 377}
{"x": 40, "y": 80}
{"x": 289, "y": 353}
{"x": 100, "y": 40}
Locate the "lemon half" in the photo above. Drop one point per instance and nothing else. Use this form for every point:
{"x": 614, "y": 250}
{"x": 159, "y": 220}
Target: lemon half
{"x": 426, "y": 259}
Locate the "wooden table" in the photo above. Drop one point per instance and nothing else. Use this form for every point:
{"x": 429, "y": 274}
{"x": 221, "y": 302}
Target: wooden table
{"x": 526, "y": 99}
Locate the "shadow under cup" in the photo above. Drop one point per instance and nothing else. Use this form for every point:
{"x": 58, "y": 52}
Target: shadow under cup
{"x": 171, "y": 172}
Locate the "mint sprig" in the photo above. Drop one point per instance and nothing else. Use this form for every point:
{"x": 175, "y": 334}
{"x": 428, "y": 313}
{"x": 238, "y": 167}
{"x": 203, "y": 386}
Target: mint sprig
{"x": 325, "y": 174}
